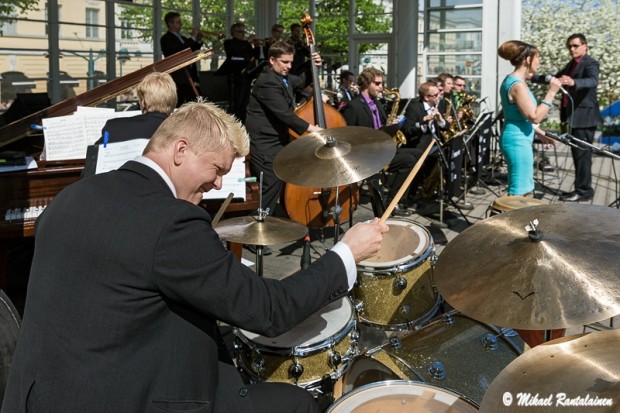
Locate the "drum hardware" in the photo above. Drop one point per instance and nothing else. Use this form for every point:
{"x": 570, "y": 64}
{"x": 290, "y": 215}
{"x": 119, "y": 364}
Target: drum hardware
{"x": 437, "y": 370}
{"x": 583, "y": 365}
{"x": 518, "y": 278}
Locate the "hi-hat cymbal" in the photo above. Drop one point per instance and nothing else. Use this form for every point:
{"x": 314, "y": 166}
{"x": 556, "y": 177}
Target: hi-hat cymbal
{"x": 583, "y": 370}
{"x": 249, "y": 230}
{"x": 334, "y": 157}
{"x": 495, "y": 273}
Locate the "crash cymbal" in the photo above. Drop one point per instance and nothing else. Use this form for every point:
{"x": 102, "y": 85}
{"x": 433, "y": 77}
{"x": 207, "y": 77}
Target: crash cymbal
{"x": 495, "y": 273}
{"x": 583, "y": 370}
{"x": 249, "y": 230}
{"x": 334, "y": 157}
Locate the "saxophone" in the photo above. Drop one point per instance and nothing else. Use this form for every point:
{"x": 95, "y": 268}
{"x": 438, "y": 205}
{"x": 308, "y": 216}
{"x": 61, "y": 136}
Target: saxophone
{"x": 399, "y": 138}
{"x": 463, "y": 114}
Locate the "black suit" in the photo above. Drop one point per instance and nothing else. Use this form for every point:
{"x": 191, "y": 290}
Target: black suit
{"x": 358, "y": 113}
{"x": 126, "y": 286}
{"x": 270, "y": 115}
{"x": 240, "y": 56}
{"x": 186, "y": 79}
{"x": 135, "y": 127}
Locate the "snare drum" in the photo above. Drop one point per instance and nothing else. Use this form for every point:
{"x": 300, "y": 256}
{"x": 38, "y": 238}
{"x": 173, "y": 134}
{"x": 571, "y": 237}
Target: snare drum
{"x": 508, "y": 203}
{"x": 395, "y": 288}
{"x": 402, "y": 396}
{"x": 454, "y": 352}
{"x": 323, "y": 344}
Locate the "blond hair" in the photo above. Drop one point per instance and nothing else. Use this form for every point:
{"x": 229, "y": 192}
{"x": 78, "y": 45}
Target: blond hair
{"x": 158, "y": 93}
{"x": 206, "y": 128}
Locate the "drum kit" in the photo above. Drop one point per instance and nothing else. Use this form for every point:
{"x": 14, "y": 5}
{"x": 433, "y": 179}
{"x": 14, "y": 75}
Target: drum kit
{"x": 528, "y": 266}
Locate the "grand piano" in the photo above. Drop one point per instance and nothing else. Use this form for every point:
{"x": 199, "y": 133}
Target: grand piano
{"x": 24, "y": 194}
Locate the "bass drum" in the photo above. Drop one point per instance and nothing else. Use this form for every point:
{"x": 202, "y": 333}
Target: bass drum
{"x": 402, "y": 396}
{"x": 323, "y": 344}
{"x": 455, "y": 352}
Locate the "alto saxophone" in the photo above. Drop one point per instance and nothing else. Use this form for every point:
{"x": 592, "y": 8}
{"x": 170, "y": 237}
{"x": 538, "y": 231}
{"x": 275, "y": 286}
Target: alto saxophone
{"x": 399, "y": 138}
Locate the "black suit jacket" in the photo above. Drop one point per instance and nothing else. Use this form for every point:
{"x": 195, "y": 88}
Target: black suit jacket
{"x": 170, "y": 44}
{"x": 586, "y": 108}
{"x": 358, "y": 113}
{"x": 136, "y": 127}
{"x": 240, "y": 56}
{"x": 270, "y": 113}
{"x": 126, "y": 286}
{"x": 417, "y": 135}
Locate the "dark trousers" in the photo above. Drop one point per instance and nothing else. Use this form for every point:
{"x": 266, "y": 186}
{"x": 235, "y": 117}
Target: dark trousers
{"x": 582, "y": 159}
{"x": 281, "y": 398}
{"x": 401, "y": 165}
{"x": 272, "y": 185}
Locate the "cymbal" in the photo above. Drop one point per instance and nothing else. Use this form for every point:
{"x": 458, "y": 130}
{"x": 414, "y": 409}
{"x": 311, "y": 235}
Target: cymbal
{"x": 334, "y": 157}
{"x": 495, "y": 273}
{"x": 584, "y": 366}
{"x": 249, "y": 230}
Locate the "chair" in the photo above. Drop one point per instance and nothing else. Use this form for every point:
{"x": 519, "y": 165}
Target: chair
{"x": 10, "y": 324}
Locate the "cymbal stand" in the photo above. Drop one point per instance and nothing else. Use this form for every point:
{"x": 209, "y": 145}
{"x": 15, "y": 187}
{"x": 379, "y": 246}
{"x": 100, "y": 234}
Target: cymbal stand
{"x": 261, "y": 215}
{"x": 442, "y": 194}
{"x": 464, "y": 204}
{"x": 335, "y": 212}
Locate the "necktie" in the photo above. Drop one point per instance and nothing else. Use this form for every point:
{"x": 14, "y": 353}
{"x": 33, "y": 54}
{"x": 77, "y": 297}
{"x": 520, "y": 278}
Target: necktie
{"x": 285, "y": 81}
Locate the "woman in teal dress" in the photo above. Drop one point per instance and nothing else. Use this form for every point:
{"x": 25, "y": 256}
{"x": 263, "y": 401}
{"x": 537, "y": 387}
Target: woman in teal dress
{"x": 521, "y": 115}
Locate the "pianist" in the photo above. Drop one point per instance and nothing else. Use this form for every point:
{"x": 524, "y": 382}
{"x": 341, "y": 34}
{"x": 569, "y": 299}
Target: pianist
{"x": 129, "y": 278}
{"x": 157, "y": 95}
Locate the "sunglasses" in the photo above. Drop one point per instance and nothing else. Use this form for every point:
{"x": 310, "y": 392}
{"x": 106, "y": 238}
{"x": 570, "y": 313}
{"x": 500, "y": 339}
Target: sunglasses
{"x": 379, "y": 83}
{"x": 459, "y": 85}
{"x": 433, "y": 96}
{"x": 573, "y": 46}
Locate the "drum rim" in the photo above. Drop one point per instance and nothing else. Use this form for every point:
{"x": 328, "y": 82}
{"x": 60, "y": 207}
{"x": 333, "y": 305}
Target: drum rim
{"x": 400, "y": 383}
{"x": 407, "y": 260}
{"x": 302, "y": 350}
{"x": 500, "y": 207}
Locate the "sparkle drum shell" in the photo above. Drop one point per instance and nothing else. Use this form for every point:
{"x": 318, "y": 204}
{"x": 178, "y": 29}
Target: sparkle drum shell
{"x": 402, "y": 396}
{"x": 455, "y": 353}
{"x": 323, "y": 344}
{"x": 395, "y": 288}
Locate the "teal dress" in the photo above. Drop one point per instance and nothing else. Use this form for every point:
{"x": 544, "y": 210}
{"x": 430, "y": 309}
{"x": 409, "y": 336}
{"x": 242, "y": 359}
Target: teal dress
{"x": 516, "y": 142}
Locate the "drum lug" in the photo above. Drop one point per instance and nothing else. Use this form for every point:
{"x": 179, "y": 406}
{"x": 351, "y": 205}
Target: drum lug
{"x": 354, "y": 337}
{"x": 448, "y": 319}
{"x": 296, "y": 370}
{"x": 405, "y": 310}
{"x": 489, "y": 342}
{"x": 399, "y": 284}
{"x": 508, "y": 332}
{"x": 359, "y": 306}
{"x": 433, "y": 259}
{"x": 258, "y": 364}
{"x": 437, "y": 370}
{"x": 395, "y": 342}
{"x": 334, "y": 359}
{"x": 237, "y": 345}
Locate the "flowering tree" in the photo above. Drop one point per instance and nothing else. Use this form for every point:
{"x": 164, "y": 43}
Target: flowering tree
{"x": 548, "y": 23}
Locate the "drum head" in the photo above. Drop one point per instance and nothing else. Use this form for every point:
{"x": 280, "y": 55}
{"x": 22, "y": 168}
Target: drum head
{"x": 402, "y": 396}
{"x": 508, "y": 203}
{"x": 324, "y": 324}
{"x": 405, "y": 242}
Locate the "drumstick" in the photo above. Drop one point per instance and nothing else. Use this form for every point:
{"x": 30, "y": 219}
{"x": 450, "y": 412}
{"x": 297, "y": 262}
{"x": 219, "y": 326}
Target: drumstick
{"x": 407, "y": 182}
{"x": 222, "y": 209}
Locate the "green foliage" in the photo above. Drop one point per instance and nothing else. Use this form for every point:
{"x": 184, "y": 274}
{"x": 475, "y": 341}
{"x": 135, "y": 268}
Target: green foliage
{"x": 20, "y": 6}
{"x": 548, "y": 23}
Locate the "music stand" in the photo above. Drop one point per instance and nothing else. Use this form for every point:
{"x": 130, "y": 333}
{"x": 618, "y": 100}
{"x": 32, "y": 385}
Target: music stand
{"x": 480, "y": 121}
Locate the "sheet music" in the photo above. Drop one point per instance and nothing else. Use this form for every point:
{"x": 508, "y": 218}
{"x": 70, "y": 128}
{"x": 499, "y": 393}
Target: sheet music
{"x": 64, "y": 138}
{"x": 94, "y": 121}
{"x": 30, "y": 164}
{"x": 115, "y": 154}
{"x": 230, "y": 182}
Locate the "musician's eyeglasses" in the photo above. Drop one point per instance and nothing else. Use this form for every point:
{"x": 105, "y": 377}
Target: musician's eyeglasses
{"x": 573, "y": 46}
{"x": 459, "y": 85}
{"x": 378, "y": 83}
{"x": 433, "y": 96}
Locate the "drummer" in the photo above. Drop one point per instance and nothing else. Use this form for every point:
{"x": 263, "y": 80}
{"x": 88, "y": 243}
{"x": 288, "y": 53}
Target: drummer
{"x": 129, "y": 280}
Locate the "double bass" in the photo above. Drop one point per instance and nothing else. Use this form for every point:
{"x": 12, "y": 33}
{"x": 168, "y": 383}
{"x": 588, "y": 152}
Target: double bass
{"x": 315, "y": 207}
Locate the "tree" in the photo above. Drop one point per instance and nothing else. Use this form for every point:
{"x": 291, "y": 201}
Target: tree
{"x": 547, "y": 24}
{"x": 7, "y": 7}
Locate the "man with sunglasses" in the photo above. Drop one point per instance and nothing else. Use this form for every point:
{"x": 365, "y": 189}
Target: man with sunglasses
{"x": 579, "y": 112}
{"x": 367, "y": 110}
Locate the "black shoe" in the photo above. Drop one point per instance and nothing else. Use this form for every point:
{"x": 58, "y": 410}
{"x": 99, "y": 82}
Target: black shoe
{"x": 252, "y": 249}
{"x": 575, "y": 197}
{"x": 401, "y": 211}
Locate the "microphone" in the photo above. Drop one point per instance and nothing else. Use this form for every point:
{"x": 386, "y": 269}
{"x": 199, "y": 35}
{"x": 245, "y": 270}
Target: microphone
{"x": 561, "y": 138}
{"x": 548, "y": 79}
{"x": 482, "y": 100}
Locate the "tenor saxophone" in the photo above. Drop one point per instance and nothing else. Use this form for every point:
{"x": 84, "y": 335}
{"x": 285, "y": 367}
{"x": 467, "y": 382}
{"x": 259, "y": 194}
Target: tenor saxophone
{"x": 399, "y": 138}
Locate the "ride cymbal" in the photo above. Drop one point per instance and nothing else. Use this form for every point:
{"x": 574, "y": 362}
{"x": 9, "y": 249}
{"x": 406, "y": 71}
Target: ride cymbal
{"x": 249, "y": 230}
{"x": 334, "y": 157}
{"x": 495, "y": 272}
{"x": 572, "y": 374}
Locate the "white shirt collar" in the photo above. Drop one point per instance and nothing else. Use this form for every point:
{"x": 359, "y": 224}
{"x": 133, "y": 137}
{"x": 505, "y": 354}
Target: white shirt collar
{"x": 154, "y": 166}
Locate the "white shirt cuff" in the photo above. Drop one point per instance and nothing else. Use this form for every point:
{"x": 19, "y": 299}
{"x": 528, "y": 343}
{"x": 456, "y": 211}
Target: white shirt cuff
{"x": 345, "y": 254}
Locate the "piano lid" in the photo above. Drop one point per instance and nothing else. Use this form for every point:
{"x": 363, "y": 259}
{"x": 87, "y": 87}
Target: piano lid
{"x": 22, "y": 127}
